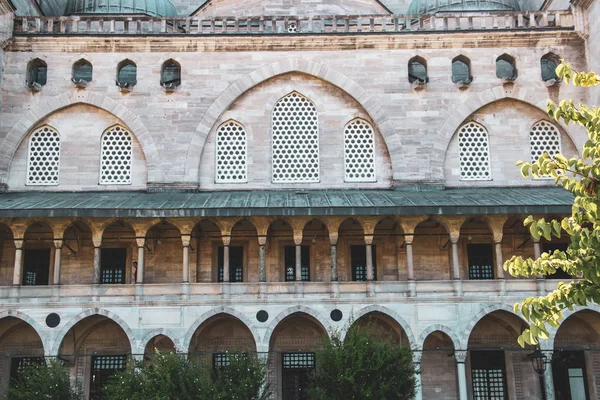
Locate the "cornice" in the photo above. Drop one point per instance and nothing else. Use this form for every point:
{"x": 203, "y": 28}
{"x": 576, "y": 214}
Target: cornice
{"x": 190, "y": 43}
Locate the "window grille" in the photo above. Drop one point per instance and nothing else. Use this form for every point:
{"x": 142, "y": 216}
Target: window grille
{"x": 290, "y": 263}
{"x": 295, "y": 140}
{"x": 298, "y": 360}
{"x": 18, "y": 365}
{"x": 115, "y": 160}
{"x": 359, "y": 152}
{"x": 358, "y": 259}
{"x": 544, "y": 137}
{"x": 43, "y": 157}
{"x": 236, "y": 264}
{"x": 474, "y": 153}
{"x": 481, "y": 261}
{"x": 221, "y": 360}
{"x": 103, "y": 367}
{"x": 296, "y": 374}
{"x": 113, "y": 266}
{"x": 488, "y": 371}
{"x": 36, "y": 267}
{"x": 231, "y": 153}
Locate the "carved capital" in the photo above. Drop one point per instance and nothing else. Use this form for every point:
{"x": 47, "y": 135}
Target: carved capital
{"x": 368, "y": 239}
{"x": 454, "y": 236}
{"x": 226, "y": 240}
{"x": 97, "y": 239}
{"x": 409, "y": 239}
{"x": 298, "y": 238}
{"x": 461, "y": 356}
{"x": 262, "y": 240}
{"x": 58, "y": 243}
{"x": 333, "y": 237}
{"x": 185, "y": 240}
{"x": 140, "y": 241}
{"x": 19, "y": 243}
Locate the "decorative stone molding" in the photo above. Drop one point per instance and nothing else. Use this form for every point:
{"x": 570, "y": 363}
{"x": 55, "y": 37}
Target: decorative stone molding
{"x": 441, "y": 328}
{"x": 295, "y": 310}
{"x": 485, "y": 311}
{"x": 392, "y": 314}
{"x": 31, "y": 322}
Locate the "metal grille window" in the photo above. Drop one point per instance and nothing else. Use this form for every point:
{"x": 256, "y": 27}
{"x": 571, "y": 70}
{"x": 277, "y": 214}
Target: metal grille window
{"x": 290, "y": 263}
{"x": 236, "y": 264}
{"x": 18, "y": 365}
{"x": 488, "y": 371}
{"x": 544, "y": 138}
{"x": 220, "y": 360}
{"x": 481, "y": 261}
{"x": 103, "y": 367}
{"x": 36, "y": 267}
{"x": 115, "y": 158}
{"x": 112, "y": 266}
{"x": 295, "y": 140}
{"x": 358, "y": 258}
{"x": 359, "y": 152}
{"x": 231, "y": 153}
{"x": 295, "y": 374}
{"x": 43, "y": 158}
{"x": 474, "y": 153}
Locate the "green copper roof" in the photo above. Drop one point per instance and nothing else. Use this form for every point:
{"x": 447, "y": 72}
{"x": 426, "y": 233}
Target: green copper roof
{"x": 155, "y": 8}
{"x": 418, "y": 7}
{"x": 287, "y": 202}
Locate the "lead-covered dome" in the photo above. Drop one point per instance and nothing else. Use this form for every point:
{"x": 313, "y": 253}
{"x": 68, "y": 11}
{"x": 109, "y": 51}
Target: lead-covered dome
{"x": 419, "y": 7}
{"x": 155, "y": 8}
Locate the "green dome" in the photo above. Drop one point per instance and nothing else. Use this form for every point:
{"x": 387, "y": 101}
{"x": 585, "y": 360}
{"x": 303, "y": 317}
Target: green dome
{"x": 155, "y": 8}
{"x": 419, "y": 7}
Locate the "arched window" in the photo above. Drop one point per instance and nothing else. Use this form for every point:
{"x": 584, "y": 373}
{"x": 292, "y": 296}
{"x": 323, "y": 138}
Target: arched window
{"x": 43, "y": 157}
{"x": 126, "y": 74}
{"x": 544, "y": 137}
{"x": 37, "y": 72}
{"x": 115, "y": 157}
{"x": 231, "y": 154}
{"x": 170, "y": 76}
{"x": 295, "y": 140}
{"x": 549, "y": 62}
{"x": 359, "y": 152}
{"x": 474, "y": 152}
{"x": 461, "y": 70}
{"x": 417, "y": 70}
{"x": 506, "y": 67}
{"x": 82, "y": 71}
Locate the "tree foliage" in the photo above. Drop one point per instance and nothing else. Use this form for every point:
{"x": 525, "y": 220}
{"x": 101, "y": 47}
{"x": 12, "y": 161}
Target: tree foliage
{"x": 44, "y": 381}
{"x": 580, "y": 176}
{"x": 175, "y": 377}
{"x": 362, "y": 366}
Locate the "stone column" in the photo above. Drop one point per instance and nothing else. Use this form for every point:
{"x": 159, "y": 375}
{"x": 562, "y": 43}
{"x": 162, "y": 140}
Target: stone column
{"x": 548, "y": 377}
{"x": 298, "y": 263}
{"x": 333, "y": 239}
{"x": 499, "y": 261}
{"x": 418, "y": 383}
{"x": 57, "y": 261}
{"x": 226, "y": 243}
{"x": 97, "y": 264}
{"x": 455, "y": 261}
{"x": 186, "y": 239}
{"x": 262, "y": 258}
{"x": 369, "y": 251}
{"x": 461, "y": 359}
{"x": 18, "y": 268}
{"x": 410, "y": 265}
{"x": 141, "y": 242}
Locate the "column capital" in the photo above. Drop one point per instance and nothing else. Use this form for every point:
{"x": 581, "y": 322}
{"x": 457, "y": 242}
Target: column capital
{"x": 226, "y": 240}
{"x": 185, "y": 240}
{"x": 298, "y": 236}
{"x": 454, "y": 236}
{"x": 408, "y": 239}
{"x": 58, "y": 243}
{"x": 461, "y": 356}
{"x": 140, "y": 241}
{"x": 368, "y": 239}
{"x": 19, "y": 243}
{"x": 333, "y": 238}
{"x": 262, "y": 240}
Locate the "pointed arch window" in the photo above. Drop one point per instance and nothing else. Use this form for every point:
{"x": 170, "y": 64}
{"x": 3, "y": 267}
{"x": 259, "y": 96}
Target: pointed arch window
{"x": 461, "y": 70}
{"x": 417, "y": 70}
{"x": 295, "y": 146}
{"x": 474, "y": 152}
{"x": 126, "y": 74}
{"x": 544, "y": 137}
{"x": 37, "y": 72}
{"x": 549, "y": 62}
{"x": 359, "y": 152}
{"x": 170, "y": 75}
{"x": 43, "y": 158}
{"x": 231, "y": 153}
{"x": 82, "y": 71}
{"x": 115, "y": 157}
{"x": 506, "y": 67}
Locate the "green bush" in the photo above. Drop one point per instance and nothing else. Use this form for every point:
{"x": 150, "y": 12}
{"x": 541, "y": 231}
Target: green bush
{"x": 362, "y": 366}
{"x": 48, "y": 381}
{"x": 243, "y": 379}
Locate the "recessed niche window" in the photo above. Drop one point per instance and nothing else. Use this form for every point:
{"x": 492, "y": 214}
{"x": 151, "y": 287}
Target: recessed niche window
{"x": 417, "y": 70}
{"x": 359, "y": 152}
{"x": 126, "y": 74}
{"x": 506, "y": 67}
{"x": 461, "y": 70}
{"x": 549, "y": 62}
{"x": 116, "y": 155}
{"x": 295, "y": 144}
{"x": 474, "y": 152}
{"x": 43, "y": 157}
{"x": 488, "y": 372}
{"x": 231, "y": 155}
{"x": 82, "y": 72}
{"x": 170, "y": 76}
{"x": 37, "y": 72}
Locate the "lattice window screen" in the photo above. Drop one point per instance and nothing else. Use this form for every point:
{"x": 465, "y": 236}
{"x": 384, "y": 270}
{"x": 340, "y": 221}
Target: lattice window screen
{"x": 231, "y": 153}
{"x": 115, "y": 159}
{"x": 295, "y": 140}
{"x": 43, "y": 157}
{"x": 544, "y": 138}
{"x": 474, "y": 153}
{"x": 359, "y": 152}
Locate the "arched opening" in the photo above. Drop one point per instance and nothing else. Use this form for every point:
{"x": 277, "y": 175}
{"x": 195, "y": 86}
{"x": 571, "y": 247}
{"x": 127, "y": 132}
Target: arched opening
{"x": 359, "y": 152}
{"x": 576, "y": 357}
{"x": 7, "y": 255}
{"x": 439, "y": 376}
{"x": 353, "y": 259}
{"x": 205, "y": 244}
{"x": 316, "y": 251}
{"x": 417, "y": 70}
{"x": 477, "y": 256}
{"x": 292, "y": 354}
{"x": 20, "y": 345}
{"x": 82, "y": 71}
{"x": 38, "y": 255}
{"x": 383, "y": 327}
{"x": 548, "y": 64}
{"x": 37, "y": 72}
{"x": 461, "y": 70}
{"x": 497, "y": 367}
{"x": 159, "y": 344}
{"x": 506, "y": 68}
{"x": 432, "y": 251}
{"x": 162, "y": 261}
{"x": 126, "y": 74}
{"x": 94, "y": 349}
{"x": 231, "y": 164}
{"x": 243, "y": 251}
{"x": 170, "y": 74}
{"x": 281, "y": 259}
{"x": 390, "y": 251}
{"x": 77, "y": 260}
{"x": 118, "y": 257}
{"x": 516, "y": 240}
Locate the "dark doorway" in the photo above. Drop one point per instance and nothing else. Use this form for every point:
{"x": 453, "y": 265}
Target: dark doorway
{"x": 113, "y": 266}
{"x": 358, "y": 258}
{"x": 488, "y": 372}
{"x": 290, "y": 263}
{"x": 18, "y": 364}
{"x": 295, "y": 374}
{"x": 36, "y": 267}
{"x": 103, "y": 367}
{"x": 481, "y": 261}
{"x": 236, "y": 264}
{"x": 568, "y": 371}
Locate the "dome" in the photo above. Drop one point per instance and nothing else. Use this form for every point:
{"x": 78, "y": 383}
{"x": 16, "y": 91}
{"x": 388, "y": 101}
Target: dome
{"x": 155, "y": 8}
{"x": 419, "y": 7}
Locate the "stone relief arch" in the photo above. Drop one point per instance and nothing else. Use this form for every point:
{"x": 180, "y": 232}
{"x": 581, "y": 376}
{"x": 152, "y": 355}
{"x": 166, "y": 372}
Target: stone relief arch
{"x": 392, "y": 314}
{"x": 442, "y": 328}
{"x": 19, "y": 131}
{"x": 482, "y": 313}
{"x": 368, "y": 101}
{"x": 550, "y": 343}
{"x": 156, "y": 332}
{"x": 33, "y": 323}
{"x": 295, "y": 310}
{"x": 95, "y": 311}
{"x": 216, "y": 311}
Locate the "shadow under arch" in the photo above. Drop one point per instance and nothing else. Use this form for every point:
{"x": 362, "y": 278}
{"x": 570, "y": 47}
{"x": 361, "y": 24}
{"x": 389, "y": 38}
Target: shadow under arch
{"x": 592, "y": 308}
{"x": 481, "y": 314}
{"x": 158, "y": 332}
{"x": 28, "y": 320}
{"x": 441, "y": 328}
{"x": 29, "y": 120}
{"x": 96, "y": 311}
{"x": 222, "y": 103}
{"x": 292, "y": 311}
{"x": 392, "y": 314}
